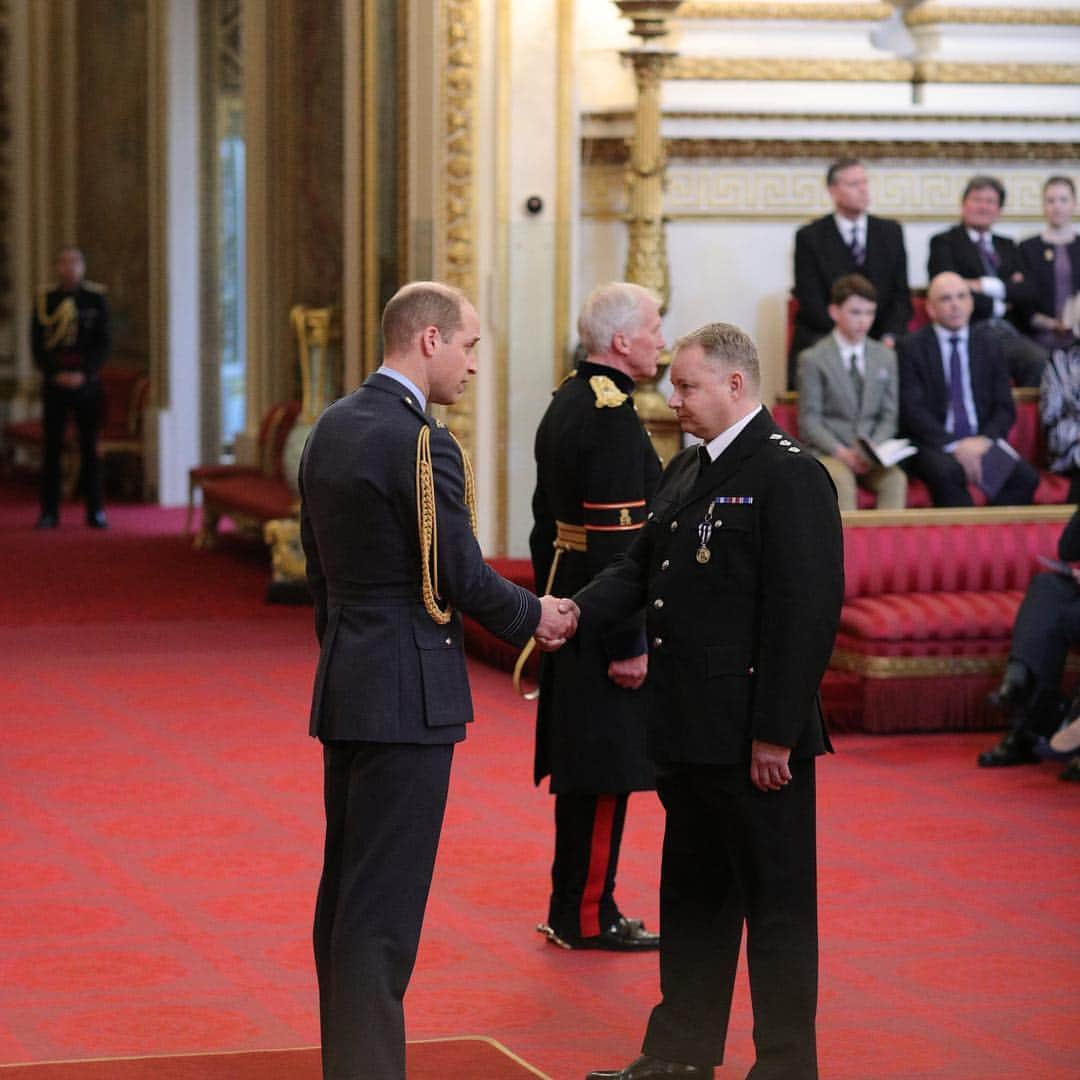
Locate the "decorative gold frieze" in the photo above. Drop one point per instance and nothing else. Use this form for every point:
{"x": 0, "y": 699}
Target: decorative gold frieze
{"x": 909, "y": 667}
{"x": 945, "y": 71}
{"x": 617, "y": 116}
{"x": 723, "y": 190}
{"x": 458, "y": 110}
{"x": 784, "y": 69}
{"x": 1029, "y": 15}
{"x": 786, "y": 12}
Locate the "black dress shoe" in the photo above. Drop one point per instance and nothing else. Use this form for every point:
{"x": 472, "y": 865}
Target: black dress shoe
{"x": 97, "y": 520}
{"x": 47, "y": 521}
{"x": 625, "y": 935}
{"x": 648, "y": 1068}
{"x": 1016, "y": 748}
{"x": 1072, "y": 770}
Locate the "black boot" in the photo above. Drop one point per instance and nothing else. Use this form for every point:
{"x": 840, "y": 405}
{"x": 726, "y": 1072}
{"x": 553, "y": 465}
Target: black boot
{"x": 1017, "y": 686}
{"x": 1017, "y": 747}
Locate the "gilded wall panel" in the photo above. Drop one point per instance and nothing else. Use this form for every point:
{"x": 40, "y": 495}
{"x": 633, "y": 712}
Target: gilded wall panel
{"x": 113, "y": 181}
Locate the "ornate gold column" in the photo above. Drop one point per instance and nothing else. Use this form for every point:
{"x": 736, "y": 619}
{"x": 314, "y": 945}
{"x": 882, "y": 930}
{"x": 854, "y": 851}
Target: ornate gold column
{"x": 646, "y": 259}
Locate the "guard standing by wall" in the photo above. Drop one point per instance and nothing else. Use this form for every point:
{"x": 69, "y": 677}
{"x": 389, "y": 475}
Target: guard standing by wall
{"x": 70, "y": 339}
{"x": 596, "y": 471}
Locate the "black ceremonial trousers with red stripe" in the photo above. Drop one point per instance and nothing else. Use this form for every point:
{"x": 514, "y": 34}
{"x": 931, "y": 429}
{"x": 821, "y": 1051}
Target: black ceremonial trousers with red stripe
{"x": 595, "y": 468}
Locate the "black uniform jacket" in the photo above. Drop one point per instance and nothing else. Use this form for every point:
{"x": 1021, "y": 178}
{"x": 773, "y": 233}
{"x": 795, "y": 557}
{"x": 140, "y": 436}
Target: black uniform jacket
{"x": 739, "y": 643}
{"x": 1038, "y": 257}
{"x": 85, "y": 347}
{"x": 387, "y": 671}
{"x": 953, "y": 250}
{"x": 924, "y": 393}
{"x": 821, "y": 256}
{"x": 595, "y": 467}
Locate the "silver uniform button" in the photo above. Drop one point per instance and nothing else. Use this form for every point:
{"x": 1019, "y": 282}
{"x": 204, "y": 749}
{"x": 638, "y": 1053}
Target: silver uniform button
{"x": 658, "y": 602}
{"x": 785, "y": 442}
{"x": 665, "y": 564}
{"x": 792, "y": 449}
{"x": 674, "y": 526}
{"x": 449, "y": 641}
{"x": 657, "y": 642}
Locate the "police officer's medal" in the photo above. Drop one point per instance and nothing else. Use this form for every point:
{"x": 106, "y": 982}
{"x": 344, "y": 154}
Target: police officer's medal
{"x": 704, "y": 531}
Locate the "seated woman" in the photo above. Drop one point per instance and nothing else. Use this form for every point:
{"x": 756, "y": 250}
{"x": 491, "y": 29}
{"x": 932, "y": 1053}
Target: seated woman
{"x": 1059, "y": 410}
{"x": 1052, "y": 262}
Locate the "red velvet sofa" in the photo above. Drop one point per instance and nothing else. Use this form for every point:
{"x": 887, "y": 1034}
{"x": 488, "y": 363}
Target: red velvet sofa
{"x": 1027, "y": 436}
{"x": 930, "y": 601}
{"x": 248, "y": 494}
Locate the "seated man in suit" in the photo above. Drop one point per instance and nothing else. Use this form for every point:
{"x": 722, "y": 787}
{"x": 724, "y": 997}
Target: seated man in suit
{"x": 955, "y": 401}
{"x": 848, "y": 241}
{"x": 994, "y": 270}
{"x": 848, "y": 388}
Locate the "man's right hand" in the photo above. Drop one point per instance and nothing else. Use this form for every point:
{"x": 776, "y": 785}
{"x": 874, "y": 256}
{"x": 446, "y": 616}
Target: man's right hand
{"x": 853, "y": 459}
{"x": 558, "y": 621}
{"x": 629, "y": 673}
{"x": 969, "y": 452}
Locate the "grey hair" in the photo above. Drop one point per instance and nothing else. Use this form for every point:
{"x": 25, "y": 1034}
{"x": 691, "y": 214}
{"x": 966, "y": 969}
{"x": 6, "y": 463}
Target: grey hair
{"x": 614, "y": 308}
{"x": 727, "y": 348}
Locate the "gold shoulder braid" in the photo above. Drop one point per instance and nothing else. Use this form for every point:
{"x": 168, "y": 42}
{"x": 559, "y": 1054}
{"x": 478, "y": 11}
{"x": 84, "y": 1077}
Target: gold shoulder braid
{"x": 62, "y": 325}
{"x": 608, "y": 395}
{"x": 428, "y": 523}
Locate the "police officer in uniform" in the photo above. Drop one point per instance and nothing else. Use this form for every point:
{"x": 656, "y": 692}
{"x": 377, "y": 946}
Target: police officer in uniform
{"x": 740, "y": 569}
{"x": 387, "y": 524}
{"x": 70, "y": 339}
{"x": 596, "y": 471}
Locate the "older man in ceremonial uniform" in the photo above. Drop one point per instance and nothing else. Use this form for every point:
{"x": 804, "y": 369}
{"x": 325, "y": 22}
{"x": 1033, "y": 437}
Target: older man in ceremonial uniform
{"x": 596, "y": 472}
{"x": 387, "y": 525}
{"x": 740, "y": 569}
{"x": 69, "y": 334}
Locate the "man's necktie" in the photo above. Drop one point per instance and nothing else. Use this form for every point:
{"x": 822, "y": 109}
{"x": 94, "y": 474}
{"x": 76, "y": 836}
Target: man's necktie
{"x": 858, "y": 252}
{"x": 961, "y": 424}
{"x": 704, "y": 460}
{"x": 989, "y": 256}
{"x": 856, "y": 377}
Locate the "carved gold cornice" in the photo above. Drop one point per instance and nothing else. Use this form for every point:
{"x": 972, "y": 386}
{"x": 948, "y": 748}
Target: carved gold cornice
{"x": 458, "y": 243}
{"x": 937, "y": 14}
{"x": 783, "y": 69}
{"x": 791, "y": 69}
{"x": 786, "y": 12}
{"x": 612, "y": 151}
{"x": 909, "y": 667}
{"x": 943, "y": 71}
{"x": 624, "y": 115}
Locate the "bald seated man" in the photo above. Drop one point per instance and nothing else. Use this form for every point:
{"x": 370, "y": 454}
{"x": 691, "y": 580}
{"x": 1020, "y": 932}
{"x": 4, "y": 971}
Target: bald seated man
{"x": 955, "y": 402}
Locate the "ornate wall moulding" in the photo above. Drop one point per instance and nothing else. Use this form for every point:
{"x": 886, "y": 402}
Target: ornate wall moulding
{"x": 612, "y": 151}
{"x": 782, "y": 193}
{"x": 940, "y": 14}
{"x": 786, "y": 12}
{"x": 626, "y": 116}
{"x": 945, "y": 71}
{"x": 782, "y": 69}
{"x": 458, "y": 110}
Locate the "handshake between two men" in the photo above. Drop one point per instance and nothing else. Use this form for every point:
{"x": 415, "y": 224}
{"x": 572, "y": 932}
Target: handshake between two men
{"x": 558, "y": 622}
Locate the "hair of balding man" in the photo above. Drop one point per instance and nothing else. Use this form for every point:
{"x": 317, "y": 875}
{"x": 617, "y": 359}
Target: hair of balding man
{"x": 614, "y": 308}
{"x": 728, "y": 348}
{"x": 415, "y": 307}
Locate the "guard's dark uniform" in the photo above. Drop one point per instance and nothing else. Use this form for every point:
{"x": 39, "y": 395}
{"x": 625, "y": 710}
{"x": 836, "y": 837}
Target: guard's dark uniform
{"x": 70, "y": 332}
{"x": 596, "y": 472}
{"x": 740, "y": 569}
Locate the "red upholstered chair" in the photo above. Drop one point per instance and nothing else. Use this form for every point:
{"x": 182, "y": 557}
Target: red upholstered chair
{"x": 249, "y": 487}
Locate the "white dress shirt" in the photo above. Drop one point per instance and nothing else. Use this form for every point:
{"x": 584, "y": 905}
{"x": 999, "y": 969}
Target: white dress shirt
{"x": 944, "y": 342}
{"x": 722, "y": 441}
{"x": 993, "y": 287}
{"x": 848, "y": 227}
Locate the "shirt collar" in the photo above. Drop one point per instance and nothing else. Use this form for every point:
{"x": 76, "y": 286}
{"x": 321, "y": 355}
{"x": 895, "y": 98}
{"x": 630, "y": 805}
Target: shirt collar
{"x": 845, "y": 225}
{"x": 848, "y": 347}
{"x": 944, "y": 335}
{"x": 976, "y": 237}
{"x": 721, "y": 442}
{"x": 405, "y": 381}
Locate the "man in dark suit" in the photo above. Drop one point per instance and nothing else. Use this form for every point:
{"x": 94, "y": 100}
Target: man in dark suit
{"x": 596, "y": 471}
{"x": 994, "y": 271}
{"x": 740, "y": 570}
{"x": 848, "y": 241}
{"x": 1047, "y": 626}
{"x": 69, "y": 335}
{"x": 955, "y": 402}
{"x": 387, "y": 528}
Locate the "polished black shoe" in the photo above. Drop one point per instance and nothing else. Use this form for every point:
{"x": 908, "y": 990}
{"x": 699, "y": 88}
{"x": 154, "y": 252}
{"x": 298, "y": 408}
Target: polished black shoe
{"x": 47, "y": 521}
{"x": 1072, "y": 770}
{"x": 1016, "y": 748}
{"x": 625, "y": 935}
{"x": 1010, "y": 695}
{"x": 97, "y": 520}
{"x": 648, "y": 1068}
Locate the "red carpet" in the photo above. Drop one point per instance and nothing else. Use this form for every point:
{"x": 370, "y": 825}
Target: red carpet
{"x": 161, "y": 826}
